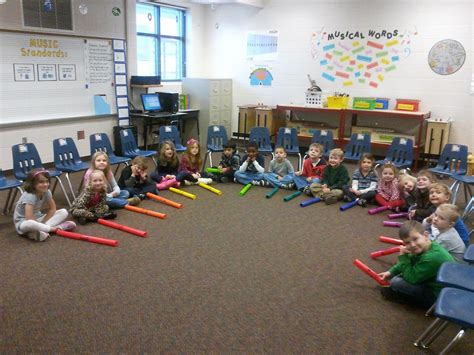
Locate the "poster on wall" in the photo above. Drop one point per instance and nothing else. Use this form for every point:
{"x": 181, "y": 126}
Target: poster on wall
{"x": 363, "y": 57}
{"x": 262, "y": 45}
{"x": 261, "y": 76}
{"x": 47, "y": 72}
{"x": 446, "y": 57}
{"x": 98, "y": 61}
{"x": 24, "y": 72}
{"x": 67, "y": 72}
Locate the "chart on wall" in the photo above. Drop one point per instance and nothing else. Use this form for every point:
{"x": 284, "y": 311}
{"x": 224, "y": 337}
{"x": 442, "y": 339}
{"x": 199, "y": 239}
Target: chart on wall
{"x": 262, "y": 45}
{"x": 363, "y": 57}
{"x": 50, "y": 77}
{"x": 446, "y": 57}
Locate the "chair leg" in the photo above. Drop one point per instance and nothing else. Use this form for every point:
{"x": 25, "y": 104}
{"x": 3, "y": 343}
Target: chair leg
{"x": 7, "y": 201}
{"x": 300, "y": 163}
{"x": 210, "y": 159}
{"x": 58, "y": 180}
{"x": 454, "y": 190}
{"x": 454, "y": 341}
{"x": 70, "y": 186}
{"x": 430, "y": 311}
{"x": 436, "y": 332}
{"x": 154, "y": 161}
{"x": 14, "y": 197}
{"x": 205, "y": 160}
{"x": 434, "y": 325}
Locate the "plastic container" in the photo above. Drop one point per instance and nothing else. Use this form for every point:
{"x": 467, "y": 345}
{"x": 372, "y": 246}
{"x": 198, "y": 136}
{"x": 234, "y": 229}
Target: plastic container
{"x": 314, "y": 99}
{"x": 407, "y": 105}
{"x": 338, "y": 101}
{"x": 381, "y": 103}
{"x": 364, "y": 103}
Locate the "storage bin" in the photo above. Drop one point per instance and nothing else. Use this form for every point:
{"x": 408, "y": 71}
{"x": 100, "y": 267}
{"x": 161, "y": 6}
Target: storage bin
{"x": 381, "y": 103}
{"x": 314, "y": 99}
{"x": 364, "y": 103}
{"x": 338, "y": 101}
{"x": 407, "y": 105}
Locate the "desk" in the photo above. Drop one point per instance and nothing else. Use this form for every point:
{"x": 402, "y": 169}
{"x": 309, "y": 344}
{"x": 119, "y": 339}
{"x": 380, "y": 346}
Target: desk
{"x": 181, "y": 117}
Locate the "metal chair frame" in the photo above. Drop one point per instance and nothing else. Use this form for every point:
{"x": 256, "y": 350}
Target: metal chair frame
{"x": 10, "y": 185}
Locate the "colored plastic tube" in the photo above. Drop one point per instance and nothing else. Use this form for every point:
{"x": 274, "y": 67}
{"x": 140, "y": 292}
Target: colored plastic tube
{"x": 370, "y": 272}
{"x": 183, "y": 193}
{"x": 392, "y": 224}
{"x": 292, "y": 196}
{"x": 310, "y": 201}
{"x": 145, "y": 211}
{"x": 379, "y": 253}
{"x": 210, "y": 188}
{"x": 121, "y": 227}
{"x": 271, "y": 193}
{"x": 166, "y": 184}
{"x": 213, "y": 170}
{"x": 398, "y": 215}
{"x": 245, "y": 189}
{"x": 164, "y": 200}
{"x": 377, "y": 210}
{"x": 348, "y": 205}
{"x": 390, "y": 240}
{"x": 87, "y": 238}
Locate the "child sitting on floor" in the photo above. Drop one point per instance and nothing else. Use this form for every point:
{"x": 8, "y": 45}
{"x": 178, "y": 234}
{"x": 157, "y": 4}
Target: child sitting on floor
{"x": 134, "y": 178}
{"x": 388, "y": 191}
{"x": 335, "y": 176}
{"x": 423, "y": 207}
{"x": 364, "y": 182}
{"x": 229, "y": 164}
{"x": 280, "y": 171}
{"x": 190, "y": 165}
{"x": 440, "y": 226}
{"x": 252, "y": 168}
{"x": 407, "y": 185}
{"x": 413, "y": 278}
{"x": 313, "y": 168}
{"x": 167, "y": 165}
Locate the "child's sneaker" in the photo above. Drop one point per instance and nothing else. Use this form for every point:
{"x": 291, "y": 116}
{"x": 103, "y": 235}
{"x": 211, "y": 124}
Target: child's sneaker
{"x": 67, "y": 226}
{"x": 291, "y": 186}
{"x": 134, "y": 201}
{"x": 206, "y": 181}
{"x": 347, "y": 199}
{"x": 307, "y": 191}
{"x": 255, "y": 183}
{"x": 188, "y": 183}
{"x": 37, "y": 236}
{"x": 264, "y": 183}
{"x": 331, "y": 200}
{"x": 142, "y": 196}
{"x": 109, "y": 215}
{"x": 362, "y": 202}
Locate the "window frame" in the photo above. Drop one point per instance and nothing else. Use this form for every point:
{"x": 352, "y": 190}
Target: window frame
{"x": 157, "y": 36}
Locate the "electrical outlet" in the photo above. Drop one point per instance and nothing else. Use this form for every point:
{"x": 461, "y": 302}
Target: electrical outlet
{"x": 24, "y": 140}
{"x": 80, "y": 135}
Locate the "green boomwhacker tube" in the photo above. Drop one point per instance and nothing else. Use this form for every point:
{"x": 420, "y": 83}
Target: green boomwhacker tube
{"x": 271, "y": 193}
{"x": 245, "y": 189}
{"x": 292, "y": 196}
{"x": 213, "y": 170}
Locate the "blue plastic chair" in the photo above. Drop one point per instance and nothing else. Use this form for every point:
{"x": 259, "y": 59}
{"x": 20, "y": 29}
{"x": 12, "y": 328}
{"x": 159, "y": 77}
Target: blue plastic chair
{"x": 288, "y": 139}
{"x": 469, "y": 254}
{"x": 400, "y": 153}
{"x": 325, "y": 138}
{"x": 171, "y": 133}
{"x": 453, "y": 305}
{"x": 130, "y": 148}
{"x": 261, "y": 136}
{"x": 453, "y": 160}
{"x": 216, "y": 138}
{"x": 67, "y": 159}
{"x": 461, "y": 180}
{"x": 26, "y": 158}
{"x": 99, "y": 142}
{"x": 358, "y": 144}
{"x": 10, "y": 185}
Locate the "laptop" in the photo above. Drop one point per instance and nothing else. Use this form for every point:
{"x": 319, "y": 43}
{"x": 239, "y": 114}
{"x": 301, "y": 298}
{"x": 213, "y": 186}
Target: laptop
{"x": 152, "y": 106}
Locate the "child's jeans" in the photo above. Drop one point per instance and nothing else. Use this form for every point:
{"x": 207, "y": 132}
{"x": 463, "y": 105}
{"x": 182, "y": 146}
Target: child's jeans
{"x": 418, "y": 294}
{"x": 119, "y": 201}
{"x": 301, "y": 182}
{"x": 317, "y": 191}
{"x": 246, "y": 177}
{"x": 272, "y": 178}
{"x": 366, "y": 196}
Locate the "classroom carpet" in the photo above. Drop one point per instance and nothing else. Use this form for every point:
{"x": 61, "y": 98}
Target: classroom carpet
{"x": 223, "y": 274}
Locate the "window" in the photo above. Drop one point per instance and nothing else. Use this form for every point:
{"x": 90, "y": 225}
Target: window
{"x": 160, "y": 41}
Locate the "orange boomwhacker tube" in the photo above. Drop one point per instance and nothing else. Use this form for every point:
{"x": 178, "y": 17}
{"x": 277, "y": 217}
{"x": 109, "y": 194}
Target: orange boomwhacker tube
{"x": 145, "y": 211}
{"x": 164, "y": 200}
{"x": 121, "y": 227}
{"x": 86, "y": 238}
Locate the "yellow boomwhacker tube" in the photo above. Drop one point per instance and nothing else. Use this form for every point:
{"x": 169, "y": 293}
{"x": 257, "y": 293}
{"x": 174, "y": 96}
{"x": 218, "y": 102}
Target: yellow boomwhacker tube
{"x": 181, "y": 192}
{"x": 210, "y": 188}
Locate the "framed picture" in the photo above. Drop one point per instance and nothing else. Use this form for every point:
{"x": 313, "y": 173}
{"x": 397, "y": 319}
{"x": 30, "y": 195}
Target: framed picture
{"x": 24, "y": 72}
{"x": 47, "y": 72}
{"x": 67, "y": 72}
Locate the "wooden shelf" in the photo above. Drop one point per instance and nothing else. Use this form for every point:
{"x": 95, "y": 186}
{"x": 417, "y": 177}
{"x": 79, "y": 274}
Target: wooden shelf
{"x": 146, "y": 86}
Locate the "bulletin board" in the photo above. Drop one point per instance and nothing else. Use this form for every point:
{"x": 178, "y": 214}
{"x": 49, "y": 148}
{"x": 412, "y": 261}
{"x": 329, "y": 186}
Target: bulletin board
{"x": 47, "y": 77}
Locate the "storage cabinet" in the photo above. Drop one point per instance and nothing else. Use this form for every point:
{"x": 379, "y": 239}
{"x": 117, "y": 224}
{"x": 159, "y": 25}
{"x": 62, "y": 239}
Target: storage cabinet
{"x": 213, "y": 97}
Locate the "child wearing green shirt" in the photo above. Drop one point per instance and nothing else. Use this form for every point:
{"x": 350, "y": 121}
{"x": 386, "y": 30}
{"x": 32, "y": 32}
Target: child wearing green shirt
{"x": 335, "y": 176}
{"x": 413, "y": 278}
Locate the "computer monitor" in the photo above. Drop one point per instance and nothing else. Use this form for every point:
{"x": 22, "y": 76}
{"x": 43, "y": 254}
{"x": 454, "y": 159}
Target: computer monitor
{"x": 151, "y": 102}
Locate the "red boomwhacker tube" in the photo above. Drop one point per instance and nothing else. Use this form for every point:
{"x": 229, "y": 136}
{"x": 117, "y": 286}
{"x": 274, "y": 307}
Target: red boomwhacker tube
{"x": 377, "y": 210}
{"x": 87, "y": 238}
{"x": 121, "y": 227}
{"x": 370, "y": 272}
{"x": 379, "y": 253}
{"x": 390, "y": 240}
{"x": 145, "y": 211}
{"x": 164, "y": 200}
